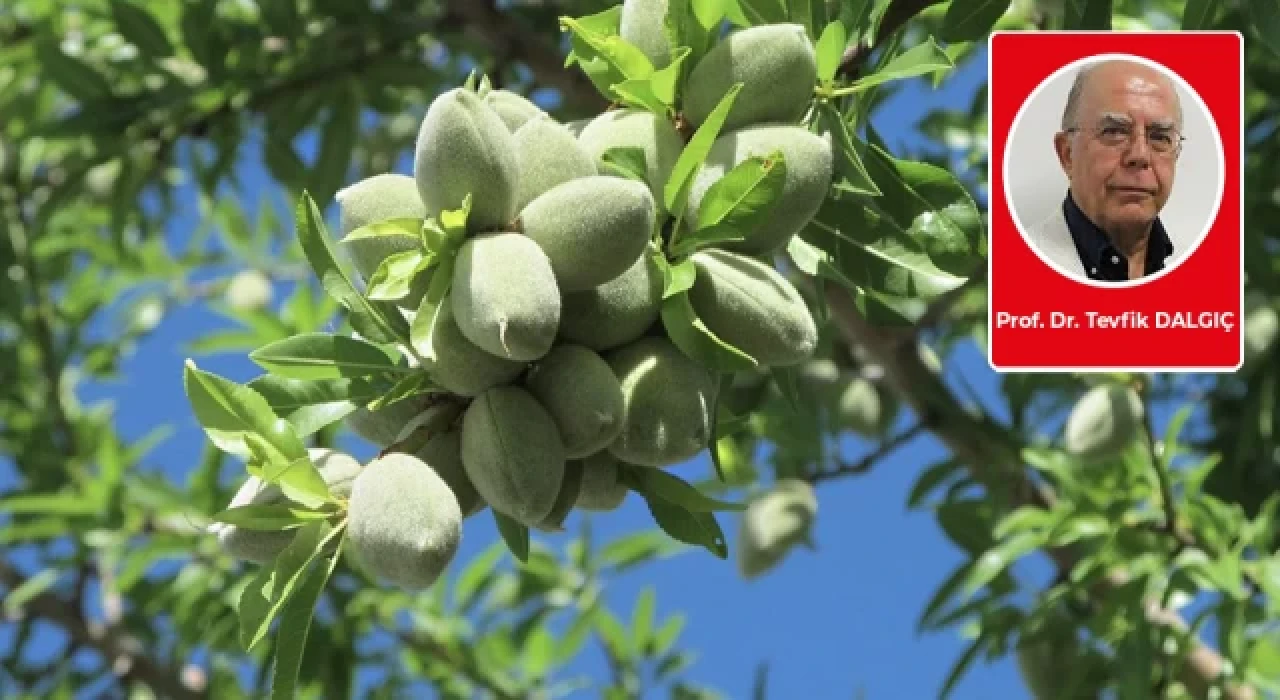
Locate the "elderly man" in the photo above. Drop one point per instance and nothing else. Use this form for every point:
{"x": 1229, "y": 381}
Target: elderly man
{"x": 1120, "y": 140}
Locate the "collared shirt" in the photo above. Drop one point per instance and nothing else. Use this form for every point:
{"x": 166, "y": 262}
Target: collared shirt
{"x": 1103, "y": 261}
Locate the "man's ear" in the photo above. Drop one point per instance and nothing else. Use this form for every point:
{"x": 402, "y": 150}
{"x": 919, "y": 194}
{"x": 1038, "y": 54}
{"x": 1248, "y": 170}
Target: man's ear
{"x": 1062, "y": 144}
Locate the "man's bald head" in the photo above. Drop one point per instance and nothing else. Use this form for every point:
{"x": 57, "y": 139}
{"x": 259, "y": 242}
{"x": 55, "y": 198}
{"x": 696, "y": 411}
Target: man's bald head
{"x": 1103, "y": 73}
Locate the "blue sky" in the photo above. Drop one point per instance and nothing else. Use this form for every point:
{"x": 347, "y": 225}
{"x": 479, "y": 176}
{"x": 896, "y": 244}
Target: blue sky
{"x": 830, "y": 623}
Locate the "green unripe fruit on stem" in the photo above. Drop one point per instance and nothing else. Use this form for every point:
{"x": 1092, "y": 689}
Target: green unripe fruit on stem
{"x": 513, "y": 454}
{"x": 513, "y": 109}
{"x": 372, "y": 200}
{"x": 383, "y": 426}
{"x": 465, "y": 148}
{"x": 776, "y": 65}
{"x": 1104, "y": 421}
{"x": 582, "y": 395}
{"x": 773, "y": 523}
{"x": 643, "y": 24}
{"x": 601, "y": 489}
{"x": 592, "y": 229}
{"x": 616, "y": 312}
{"x": 750, "y": 305}
{"x": 461, "y": 367}
{"x": 668, "y": 399}
{"x": 505, "y": 297}
{"x": 809, "y": 161}
{"x": 570, "y": 487}
{"x": 443, "y": 454}
{"x": 1260, "y": 328}
{"x": 548, "y": 156}
{"x": 865, "y": 408}
{"x": 403, "y": 522}
{"x": 635, "y": 128}
{"x": 261, "y": 546}
{"x": 249, "y": 289}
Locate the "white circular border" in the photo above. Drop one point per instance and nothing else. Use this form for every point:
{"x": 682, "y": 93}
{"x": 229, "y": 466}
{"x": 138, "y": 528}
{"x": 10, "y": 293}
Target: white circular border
{"x": 1217, "y": 140}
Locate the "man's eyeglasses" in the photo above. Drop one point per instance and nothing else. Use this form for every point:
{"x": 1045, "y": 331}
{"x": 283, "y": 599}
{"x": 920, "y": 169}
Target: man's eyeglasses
{"x": 1164, "y": 141}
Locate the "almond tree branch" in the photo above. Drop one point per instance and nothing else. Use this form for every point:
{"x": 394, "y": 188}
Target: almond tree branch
{"x": 123, "y": 654}
{"x": 992, "y": 456}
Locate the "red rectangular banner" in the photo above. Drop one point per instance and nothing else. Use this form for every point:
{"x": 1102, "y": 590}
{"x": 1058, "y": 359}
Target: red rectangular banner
{"x": 1116, "y": 206}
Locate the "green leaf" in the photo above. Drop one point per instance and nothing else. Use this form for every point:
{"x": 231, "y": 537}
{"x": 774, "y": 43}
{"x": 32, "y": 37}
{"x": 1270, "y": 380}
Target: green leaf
{"x": 639, "y": 92}
{"x": 137, "y": 25}
{"x": 515, "y": 534}
{"x": 605, "y": 57}
{"x": 971, "y": 20}
{"x": 338, "y": 138}
{"x": 1079, "y": 527}
{"x": 642, "y": 617}
{"x": 933, "y": 209}
{"x": 28, "y": 590}
{"x": 65, "y": 504}
{"x": 267, "y": 593}
{"x": 760, "y": 12}
{"x": 667, "y": 634}
{"x": 412, "y": 384}
{"x": 323, "y": 356}
{"x": 923, "y": 59}
{"x": 300, "y": 481}
{"x": 373, "y": 320}
{"x": 270, "y": 517}
{"x": 395, "y": 275}
{"x": 736, "y": 203}
{"x": 830, "y": 51}
{"x": 295, "y": 626}
{"x": 229, "y": 411}
{"x": 1199, "y": 14}
{"x": 1265, "y": 18}
{"x": 698, "y": 528}
{"x": 994, "y": 561}
{"x": 815, "y": 262}
{"x": 691, "y": 335}
{"x": 1171, "y": 433}
{"x": 657, "y": 483}
{"x": 725, "y": 383}
{"x": 73, "y": 76}
{"x": 408, "y": 228}
{"x": 849, "y": 150}
{"x": 931, "y": 479}
{"x": 625, "y": 162}
{"x": 478, "y": 576}
{"x": 1087, "y": 14}
{"x": 571, "y": 643}
{"x": 961, "y": 666}
{"x": 678, "y": 278}
{"x": 312, "y": 405}
{"x": 676, "y": 192}
{"x": 424, "y": 322}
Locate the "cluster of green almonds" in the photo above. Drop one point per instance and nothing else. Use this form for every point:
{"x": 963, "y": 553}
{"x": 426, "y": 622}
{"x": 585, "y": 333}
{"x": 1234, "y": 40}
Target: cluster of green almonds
{"x": 550, "y": 337}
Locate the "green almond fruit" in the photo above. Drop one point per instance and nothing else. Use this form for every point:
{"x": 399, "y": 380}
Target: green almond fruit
{"x": 375, "y": 199}
{"x": 583, "y": 396}
{"x": 262, "y": 546}
{"x": 1261, "y": 327}
{"x": 616, "y": 312}
{"x": 643, "y": 24}
{"x": 1104, "y": 421}
{"x": 570, "y": 487}
{"x": 504, "y": 296}
{"x": 668, "y": 399}
{"x": 403, "y": 522}
{"x": 458, "y": 365}
{"x": 773, "y": 523}
{"x": 383, "y": 426}
{"x": 808, "y": 159}
{"x": 512, "y": 452}
{"x": 464, "y": 148}
{"x": 592, "y": 229}
{"x": 601, "y": 488}
{"x": 777, "y": 66}
{"x": 636, "y": 128}
{"x": 864, "y": 407}
{"x": 513, "y": 109}
{"x": 443, "y": 454}
{"x": 750, "y": 305}
{"x": 548, "y": 156}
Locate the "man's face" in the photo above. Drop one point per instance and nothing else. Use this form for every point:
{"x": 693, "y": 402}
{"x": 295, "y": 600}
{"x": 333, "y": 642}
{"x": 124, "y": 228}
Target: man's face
{"x": 1119, "y": 183}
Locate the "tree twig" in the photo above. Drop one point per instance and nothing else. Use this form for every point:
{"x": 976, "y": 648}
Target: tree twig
{"x": 865, "y": 464}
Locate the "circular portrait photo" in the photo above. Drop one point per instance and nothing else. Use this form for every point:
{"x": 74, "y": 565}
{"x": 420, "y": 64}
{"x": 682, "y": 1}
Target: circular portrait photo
{"x": 1114, "y": 170}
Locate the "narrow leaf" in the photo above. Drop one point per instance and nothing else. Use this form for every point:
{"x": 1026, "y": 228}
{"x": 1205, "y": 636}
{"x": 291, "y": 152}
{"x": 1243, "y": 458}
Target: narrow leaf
{"x": 658, "y": 483}
{"x": 228, "y": 411}
{"x": 676, "y": 192}
{"x": 695, "y": 339}
{"x": 830, "y": 51}
{"x": 295, "y": 626}
{"x": 137, "y": 25}
{"x": 323, "y": 356}
{"x": 515, "y": 534}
